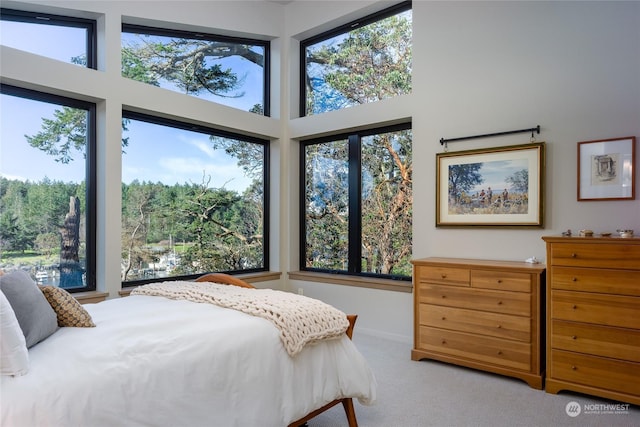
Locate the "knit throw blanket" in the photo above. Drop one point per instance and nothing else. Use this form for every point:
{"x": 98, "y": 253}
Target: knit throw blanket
{"x": 301, "y": 320}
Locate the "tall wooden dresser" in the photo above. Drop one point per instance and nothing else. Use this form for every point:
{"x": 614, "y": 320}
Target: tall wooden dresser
{"x": 481, "y": 314}
{"x": 593, "y": 308}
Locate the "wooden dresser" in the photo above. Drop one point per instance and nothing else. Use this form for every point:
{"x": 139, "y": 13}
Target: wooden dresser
{"x": 481, "y": 314}
{"x": 593, "y": 308}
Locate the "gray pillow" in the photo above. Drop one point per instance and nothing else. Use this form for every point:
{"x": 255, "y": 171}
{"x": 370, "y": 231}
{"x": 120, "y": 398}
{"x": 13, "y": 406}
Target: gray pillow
{"x": 35, "y": 316}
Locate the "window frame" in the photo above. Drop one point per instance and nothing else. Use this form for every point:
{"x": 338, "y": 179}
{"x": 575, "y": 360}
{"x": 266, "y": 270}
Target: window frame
{"x": 128, "y": 114}
{"x": 61, "y": 21}
{"x": 266, "y": 86}
{"x": 354, "y": 266}
{"x": 90, "y": 172}
{"x": 342, "y": 29}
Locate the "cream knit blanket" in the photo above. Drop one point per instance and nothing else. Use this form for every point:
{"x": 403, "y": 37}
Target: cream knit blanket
{"x": 300, "y": 320}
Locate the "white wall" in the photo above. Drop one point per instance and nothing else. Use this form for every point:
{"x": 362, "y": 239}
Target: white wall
{"x": 479, "y": 67}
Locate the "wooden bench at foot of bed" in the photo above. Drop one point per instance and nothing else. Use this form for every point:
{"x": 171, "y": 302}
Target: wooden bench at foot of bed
{"x": 347, "y": 402}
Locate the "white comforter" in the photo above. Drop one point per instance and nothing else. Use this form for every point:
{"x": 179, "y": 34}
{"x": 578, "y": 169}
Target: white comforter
{"x": 152, "y": 361}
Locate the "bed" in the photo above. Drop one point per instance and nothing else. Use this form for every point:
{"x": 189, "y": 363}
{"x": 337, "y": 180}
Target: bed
{"x": 158, "y": 361}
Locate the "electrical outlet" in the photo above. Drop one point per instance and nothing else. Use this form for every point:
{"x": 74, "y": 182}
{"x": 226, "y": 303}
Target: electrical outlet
{"x": 300, "y": 291}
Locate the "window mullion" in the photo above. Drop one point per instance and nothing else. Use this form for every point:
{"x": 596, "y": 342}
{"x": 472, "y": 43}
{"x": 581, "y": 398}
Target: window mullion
{"x": 355, "y": 205}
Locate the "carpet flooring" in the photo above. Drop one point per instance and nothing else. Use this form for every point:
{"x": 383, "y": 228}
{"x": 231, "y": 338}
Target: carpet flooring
{"x": 430, "y": 393}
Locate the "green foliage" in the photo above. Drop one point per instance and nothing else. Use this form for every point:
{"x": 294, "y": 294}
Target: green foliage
{"x": 519, "y": 181}
{"x": 463, "y": 177}
{"x": 31, "y": 210}
{"x": 62, "y": 136}
{"x": 372, "y": 63}
{"x": 327, "y": 202}
{"x": 387, "y": 206}
{"x": 220, "y": 229}
{"x": 189, "y": 64}
{"x": 134, "y": 67}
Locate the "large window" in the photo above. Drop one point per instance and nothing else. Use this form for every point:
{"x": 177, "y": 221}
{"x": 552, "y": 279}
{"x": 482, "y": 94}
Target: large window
{"x": 357, "y": 203}
{"x": 47, "y": 188}
{"x": 230, "y": 71}
{"x": 63, "y": 38}
{"x": 194, "y": 200}
{"x": 363, "y": 61}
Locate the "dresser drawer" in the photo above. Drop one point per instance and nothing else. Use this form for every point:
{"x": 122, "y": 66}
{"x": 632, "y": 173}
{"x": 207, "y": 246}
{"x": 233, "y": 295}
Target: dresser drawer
{"x": 477, "y": 322}
{"x": 608, "y": 374}
{"x": 501, "y": 280}
{"x": 609, "y": 310}
{"x": 444, "y": 275}
{"x": 596, "y": 255}
{"x": 621, "y": 282}
{"x": 516, "y": 303}
{"x": 598, "y": 340}
{"x": 511, "y": 354}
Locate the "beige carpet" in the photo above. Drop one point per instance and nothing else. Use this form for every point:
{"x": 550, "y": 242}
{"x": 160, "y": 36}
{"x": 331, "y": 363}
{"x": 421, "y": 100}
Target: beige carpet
{"x": 429, "y": 393}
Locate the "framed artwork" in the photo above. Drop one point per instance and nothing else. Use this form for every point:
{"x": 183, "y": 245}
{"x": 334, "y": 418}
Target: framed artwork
{"x": 491, "y": 187}
{"x": 606, "y": 169}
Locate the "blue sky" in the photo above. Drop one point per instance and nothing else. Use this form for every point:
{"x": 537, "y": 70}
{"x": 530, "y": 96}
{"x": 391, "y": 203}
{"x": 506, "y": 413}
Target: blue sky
{"x": 156, "y": 154}
{"x": 494, "y": 173}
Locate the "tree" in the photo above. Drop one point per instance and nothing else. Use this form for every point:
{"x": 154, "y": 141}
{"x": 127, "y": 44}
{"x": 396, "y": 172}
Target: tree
{"x": 135, "y": 212}
{"x": 70, "y": 268}
{"x": 327, "y": 201}
{"x": 462, "y": 178}
{"x": 372, "y": 63}
{"x": 189, "y": 64}
{"x": 519, "y": 181}
{"x": 219, "y": 241}
{"x": 387, "y": 212}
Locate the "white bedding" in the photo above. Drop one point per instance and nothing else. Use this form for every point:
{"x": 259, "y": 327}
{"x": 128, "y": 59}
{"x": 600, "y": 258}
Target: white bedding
{"x": 152, "y": 361}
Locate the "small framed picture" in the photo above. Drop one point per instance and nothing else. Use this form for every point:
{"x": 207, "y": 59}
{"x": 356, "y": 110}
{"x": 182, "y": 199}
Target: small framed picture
{"x": 606, "y": 169}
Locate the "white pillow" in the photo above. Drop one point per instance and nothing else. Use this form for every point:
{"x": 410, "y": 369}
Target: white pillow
{"x": 14, "y": 358}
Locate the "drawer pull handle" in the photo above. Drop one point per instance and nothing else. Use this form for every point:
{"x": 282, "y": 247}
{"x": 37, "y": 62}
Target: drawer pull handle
{"x": 499, "y": 326}
{"x": 444, "y": 296}
{"x": 499, "y": 302}
{"x": 575, "y": 279}
{"x": 574, "y": 368}
{"x": 444, "y": 341}
{"x": 499, "y": 352}
{"x": 574, "y": 307}
{"x": 573, "y": 337}
{"x": 574, "y": 255}
{"x": 499, "y": 280}
{"x": 444, "y": 276}
{"x": 444, "y": 318}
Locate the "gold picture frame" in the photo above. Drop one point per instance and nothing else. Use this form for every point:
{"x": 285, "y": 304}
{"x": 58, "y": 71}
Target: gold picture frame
{"x": 606, "y": 169}
{"x": 491, "y": 187}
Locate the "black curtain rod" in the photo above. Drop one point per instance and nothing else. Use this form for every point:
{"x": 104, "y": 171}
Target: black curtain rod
{"x": 532, "y": 130}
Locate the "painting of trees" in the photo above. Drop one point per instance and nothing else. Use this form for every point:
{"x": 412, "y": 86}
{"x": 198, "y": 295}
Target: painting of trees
{"x": 492, "y": 186}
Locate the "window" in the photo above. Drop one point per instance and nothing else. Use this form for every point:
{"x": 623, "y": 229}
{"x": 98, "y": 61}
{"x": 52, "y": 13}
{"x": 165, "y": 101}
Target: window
{"x": 361, "y": 62}
{"x": 230, "y": 71}
{"x": 63, "y": 38}
{"x": 47, "y": 187}
{"x": 357, "y": 203}
{"x": 194, "y": 200}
